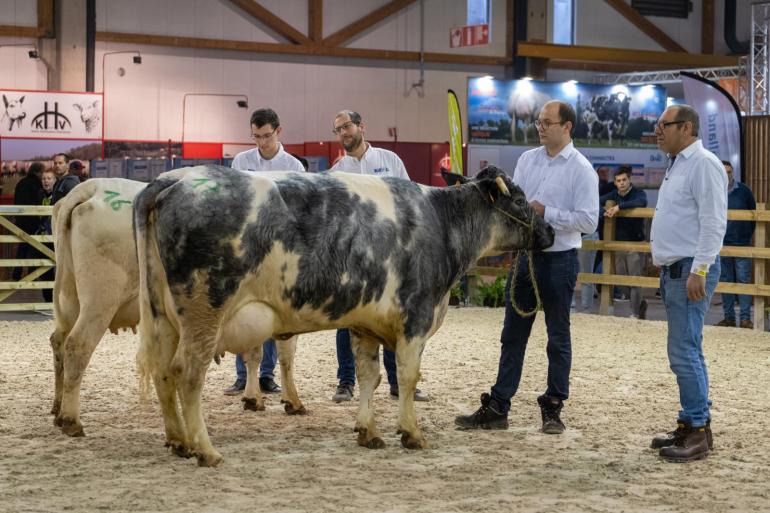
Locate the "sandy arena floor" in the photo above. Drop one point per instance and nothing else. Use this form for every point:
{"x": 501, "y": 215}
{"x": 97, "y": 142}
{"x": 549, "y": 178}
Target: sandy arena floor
{"x": 622, "y": 394}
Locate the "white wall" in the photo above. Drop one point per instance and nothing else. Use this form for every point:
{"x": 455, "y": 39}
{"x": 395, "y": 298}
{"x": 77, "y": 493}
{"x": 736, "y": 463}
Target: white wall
{"x": 145, "y": 102}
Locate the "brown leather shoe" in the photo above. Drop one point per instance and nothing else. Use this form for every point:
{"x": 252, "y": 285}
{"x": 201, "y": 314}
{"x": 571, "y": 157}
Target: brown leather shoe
{"x": 672, "y": 437}
{"x": 690, "y": 447}
{"x": 747, "y": 324}
{"x": 726, "y": 323}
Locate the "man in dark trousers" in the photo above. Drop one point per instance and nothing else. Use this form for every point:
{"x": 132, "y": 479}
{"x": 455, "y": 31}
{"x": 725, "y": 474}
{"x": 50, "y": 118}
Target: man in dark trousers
{"x": 630, "y": 263}
{"x": 28, "y": 191}
{"x": 739, "y": 233}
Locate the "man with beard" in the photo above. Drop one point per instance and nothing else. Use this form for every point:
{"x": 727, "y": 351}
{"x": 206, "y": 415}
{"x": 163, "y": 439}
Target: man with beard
{"x": 361, "y": 157}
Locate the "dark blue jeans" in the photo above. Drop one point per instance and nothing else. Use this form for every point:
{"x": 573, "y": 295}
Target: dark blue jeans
{"x": 266, "y": 366}
{"x": 346, "y": 364}
{"x": 736, "y": 270}
{"x": 556, "y": 274}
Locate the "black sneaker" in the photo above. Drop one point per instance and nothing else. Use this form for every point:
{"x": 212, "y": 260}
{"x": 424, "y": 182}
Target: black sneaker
{"x": 237, "y": 388}
{"x": 344, "y": 393}
{"x": 643, "y": 310}
{"x": 269, "y": 386}
{"x": 550, "y": 408}
{"x": 489, "y": 416}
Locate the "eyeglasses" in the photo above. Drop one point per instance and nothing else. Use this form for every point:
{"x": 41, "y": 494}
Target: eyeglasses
{"x": 546, "y": 124}
{"x": 663, "y": 124}
{"x": 344, "y": 127}
{"x": 264, "y": 137}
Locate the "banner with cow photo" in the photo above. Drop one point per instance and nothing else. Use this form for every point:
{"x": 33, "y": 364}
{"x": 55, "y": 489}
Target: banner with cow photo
{"x": 504, "y": 112}
{"x": 50, "y": 115}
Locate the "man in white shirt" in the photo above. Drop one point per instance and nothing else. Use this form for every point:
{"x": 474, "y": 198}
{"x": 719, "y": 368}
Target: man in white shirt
{"x": 563, "y": 188}
{"x": 362, "y": 157}
{"x": 268, "y": 155}
{"x": 687, "y": 233}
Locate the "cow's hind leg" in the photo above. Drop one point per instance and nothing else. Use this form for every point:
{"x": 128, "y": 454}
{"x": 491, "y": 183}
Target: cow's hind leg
{"x": 367, "y": 355}
{"x": 197, "y": 346}
{"x": 57, "y": 341}
{"x": 77, "y": 349}
{"x": 408, "y": 355}
{"x": 252, "y": 397}
{"x": 290, "y": 397}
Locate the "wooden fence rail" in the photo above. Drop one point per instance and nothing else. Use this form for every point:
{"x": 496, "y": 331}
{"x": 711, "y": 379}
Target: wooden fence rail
{"x": 12, "y": 234}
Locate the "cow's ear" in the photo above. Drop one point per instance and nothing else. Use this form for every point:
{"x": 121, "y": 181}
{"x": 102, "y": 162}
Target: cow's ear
{"x": 21, "y": 100}
{"x": 5, "y": 101}
{"x": 452, "y": 178}
{"x": 78, "y": 107}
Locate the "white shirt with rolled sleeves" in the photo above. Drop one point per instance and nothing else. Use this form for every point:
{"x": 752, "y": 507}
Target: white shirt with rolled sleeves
{"x": 691, "y": 215}
{"x": 375, "y": 161}
{"x": 568, "y": 186}
{"x": 252, "y": 160}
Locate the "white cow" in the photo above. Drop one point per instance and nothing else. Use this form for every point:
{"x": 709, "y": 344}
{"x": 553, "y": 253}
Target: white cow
{"x": 14, "y": 113}
{"x": 97, "y": 286}
{"x": 89, "y": 114}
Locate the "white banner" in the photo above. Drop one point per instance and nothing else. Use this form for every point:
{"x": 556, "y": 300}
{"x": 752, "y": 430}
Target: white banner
{"x": 720, "y": 119}
{"x": 50, "y": 115}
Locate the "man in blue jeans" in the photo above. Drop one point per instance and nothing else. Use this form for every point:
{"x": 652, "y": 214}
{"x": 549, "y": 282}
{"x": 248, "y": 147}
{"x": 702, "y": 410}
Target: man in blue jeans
{"x": 563, "y": 188}
{"x": 361, "y": 157}
{"x": 687, "y": 233}
{"x": 739, "y": 233}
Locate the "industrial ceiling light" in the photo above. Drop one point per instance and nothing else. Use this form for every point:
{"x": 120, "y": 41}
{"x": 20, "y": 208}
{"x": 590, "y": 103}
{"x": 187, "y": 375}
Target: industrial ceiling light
{"x": 138, "y": 59}
{"x": 242, "y": 104}
{"x": 33, "y": 54}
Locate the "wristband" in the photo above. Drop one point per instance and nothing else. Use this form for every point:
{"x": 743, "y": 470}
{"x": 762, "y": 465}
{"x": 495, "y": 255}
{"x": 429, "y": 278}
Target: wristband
{"x": 702, "y": 270}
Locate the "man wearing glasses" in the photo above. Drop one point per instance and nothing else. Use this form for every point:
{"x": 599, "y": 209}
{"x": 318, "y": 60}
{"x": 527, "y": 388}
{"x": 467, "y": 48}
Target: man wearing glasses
{"x": 563, "y": 188}
{"x": 361, "y": 157}
{"x": 687, "y": 232}
{"x": 268, "y": 155}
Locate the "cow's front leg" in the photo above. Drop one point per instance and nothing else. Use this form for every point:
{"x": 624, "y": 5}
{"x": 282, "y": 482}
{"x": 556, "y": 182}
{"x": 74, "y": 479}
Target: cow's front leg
{"x": 290, "y": 397}
{"x": 408, "y": 355}
{"x": 252, "y": 397}
{"x": 367, "y": 355}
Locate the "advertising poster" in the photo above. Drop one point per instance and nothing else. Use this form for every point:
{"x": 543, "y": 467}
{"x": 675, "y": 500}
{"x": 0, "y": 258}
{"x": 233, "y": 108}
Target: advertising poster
{"x": 50, "y": 115}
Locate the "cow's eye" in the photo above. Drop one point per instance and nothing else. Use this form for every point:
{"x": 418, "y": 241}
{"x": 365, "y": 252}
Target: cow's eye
{"x": 521, "y": 202}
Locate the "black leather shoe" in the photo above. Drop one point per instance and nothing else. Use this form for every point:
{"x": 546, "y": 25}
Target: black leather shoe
{"x": 672, "y": 437}
{"x": 269, "y": 386}
{"x": 550, "y": 408}
{"x": 692, "y": 445}
{"x": 489, "y": 416}
{"x": 237, "y": 388}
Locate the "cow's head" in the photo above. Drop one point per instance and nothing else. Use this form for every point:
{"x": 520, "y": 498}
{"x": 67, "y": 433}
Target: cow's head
{"x": 519, "y": 226}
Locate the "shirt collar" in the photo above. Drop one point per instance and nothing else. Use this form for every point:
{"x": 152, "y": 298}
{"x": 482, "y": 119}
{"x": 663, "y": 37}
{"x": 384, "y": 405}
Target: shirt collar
{"x": 363, "y": 157}
{"x": 263, "y": 159}
{"x": 564, "y": 154}
{"x": 692, "y": 148}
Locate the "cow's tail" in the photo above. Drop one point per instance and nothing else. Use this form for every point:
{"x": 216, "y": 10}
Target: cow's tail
{"x": 157, "y": 331}
{"x": 61, "y": 227}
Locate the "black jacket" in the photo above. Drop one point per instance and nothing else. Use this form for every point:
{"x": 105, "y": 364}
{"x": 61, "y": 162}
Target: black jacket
{"x": 28, "y": 193}
{"x": 627, "y": 228}
{"x": 63, "y": 186}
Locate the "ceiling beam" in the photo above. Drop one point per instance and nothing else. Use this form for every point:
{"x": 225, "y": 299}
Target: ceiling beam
{"x": 292, "y": 49}
{"x": 315, "y": 11}
{"x": 642, "y": 59}
{"x": 645, "y": 25}
{"x": 272, "y": 21}
{"x": 707, "y": 27}
{"x": 18, "y": 31}
{"x": 45, "y": 18}
{"x": 345, "y": 34}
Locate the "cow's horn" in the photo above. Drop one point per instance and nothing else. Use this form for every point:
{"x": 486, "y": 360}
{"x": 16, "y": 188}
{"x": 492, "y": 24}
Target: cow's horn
{"x": 501, "y": 185}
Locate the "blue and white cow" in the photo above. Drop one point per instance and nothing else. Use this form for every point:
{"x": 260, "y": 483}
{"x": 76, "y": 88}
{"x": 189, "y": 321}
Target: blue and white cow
{"x": 284, "y": 253}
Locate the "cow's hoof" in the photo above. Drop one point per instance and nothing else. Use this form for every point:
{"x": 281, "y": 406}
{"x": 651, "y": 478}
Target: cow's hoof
{"x": 291, "y": 410}
{"x": 252, "y": 405}
{"x": 409, "y": 442}
{"x": 211, "y": 460}
{"x": 178, "y": 449}
{"x": 57, "y": 421}
{"x": 72, "y": 427}
{"x": 371, "y": 443}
